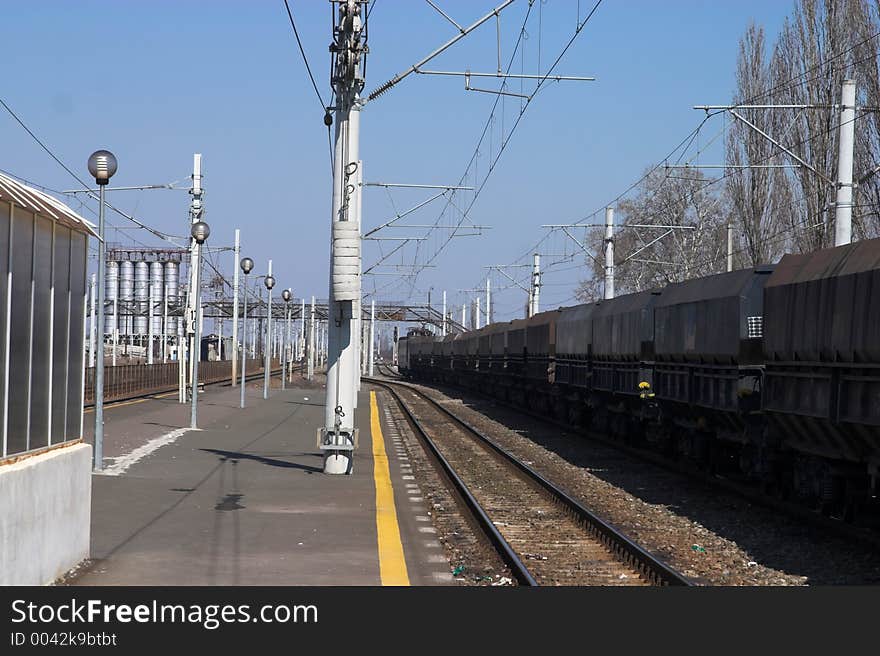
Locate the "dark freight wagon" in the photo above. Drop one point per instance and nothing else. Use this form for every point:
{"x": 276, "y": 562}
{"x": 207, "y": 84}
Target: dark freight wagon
{"x": 707, "y": 340}
{"x": 447, "y": 351}
{"x": 623, "y": 342}
{"x": 541, "y": 346}
{"x": 516, "y": 347}
{"x": 574, "y": 337}
{"x": 498, "y": 348}
{"x": 822, "y": 349}
{"x": 770, "y": 373}
{"x": 486, "y": 355}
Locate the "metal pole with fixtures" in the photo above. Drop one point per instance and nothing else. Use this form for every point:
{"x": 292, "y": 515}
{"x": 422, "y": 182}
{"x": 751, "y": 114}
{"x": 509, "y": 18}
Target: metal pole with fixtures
{"x": 269, "y": 281}
{"x": 247, "y": 264}
{"x": 237, "y": 253}
{"x": 102, "y": 165}
{"x": 286, "y": 295}
{"x": 200, "y": 232}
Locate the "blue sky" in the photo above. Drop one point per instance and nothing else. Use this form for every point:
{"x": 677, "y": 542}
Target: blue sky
{"x": 157, "y": 81}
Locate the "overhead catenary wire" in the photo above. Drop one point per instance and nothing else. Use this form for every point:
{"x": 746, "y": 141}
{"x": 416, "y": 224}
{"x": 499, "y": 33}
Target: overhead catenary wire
{"x": 506, "y": 140}
{"x": 792, "y": 81}
{"x": 411, "y": 278}
{"x": 778, "y": 237}
{"x": 800, "y": 78}
{"x": 796, "y": 80}
{"x": 153, "y": 231}
{"x": 302, "y": 51}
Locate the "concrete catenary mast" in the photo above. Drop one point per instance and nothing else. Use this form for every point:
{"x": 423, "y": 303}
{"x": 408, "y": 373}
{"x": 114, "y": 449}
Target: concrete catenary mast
{"x": 609, "y": 253}
{"x": 846, "y": 146}
{"x": 347, "y": 78}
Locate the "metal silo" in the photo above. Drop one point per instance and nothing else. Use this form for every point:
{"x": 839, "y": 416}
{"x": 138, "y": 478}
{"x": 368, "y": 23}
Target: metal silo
{"x": 157, "y": 286}
{"x": 172, "y": 291}
{"x": 111, "y": 293}
{"x": 126, "y": 296}
{"x": 141, "y": 296}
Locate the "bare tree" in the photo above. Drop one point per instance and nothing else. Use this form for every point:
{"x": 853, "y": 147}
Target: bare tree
{"x": 821, "y": 45}
{"x": 652, "y": 257}
{"x": 866, "y": 213}
{"x": 755, "y": 195}
{"x": 775, "y": 210}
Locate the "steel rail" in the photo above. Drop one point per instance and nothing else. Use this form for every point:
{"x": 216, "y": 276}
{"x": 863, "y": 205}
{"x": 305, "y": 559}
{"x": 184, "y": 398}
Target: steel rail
{"x": 502, "y": 546}
{"x": 626, "y": 549}
{"x": 838, "y": 527}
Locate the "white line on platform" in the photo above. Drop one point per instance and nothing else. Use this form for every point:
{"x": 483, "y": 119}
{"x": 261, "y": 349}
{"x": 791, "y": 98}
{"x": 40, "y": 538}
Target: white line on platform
{"x": 122, "y": 463}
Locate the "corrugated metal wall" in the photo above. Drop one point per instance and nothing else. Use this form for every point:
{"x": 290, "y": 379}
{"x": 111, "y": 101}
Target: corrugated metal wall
{"x": 42, "y": 300}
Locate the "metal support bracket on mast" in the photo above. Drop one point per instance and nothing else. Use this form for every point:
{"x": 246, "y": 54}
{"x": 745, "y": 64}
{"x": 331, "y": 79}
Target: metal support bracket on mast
{"x": 463, "y": 32}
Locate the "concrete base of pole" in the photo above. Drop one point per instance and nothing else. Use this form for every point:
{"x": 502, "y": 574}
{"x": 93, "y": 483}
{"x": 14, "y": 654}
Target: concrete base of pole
{"x": 338, "y": 462}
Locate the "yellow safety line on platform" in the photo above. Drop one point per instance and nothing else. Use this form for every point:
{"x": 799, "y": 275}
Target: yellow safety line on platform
{"x": 392, "y": 564}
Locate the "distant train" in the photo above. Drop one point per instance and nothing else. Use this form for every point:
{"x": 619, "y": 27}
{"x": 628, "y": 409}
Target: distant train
{"x": 772, "y": 372}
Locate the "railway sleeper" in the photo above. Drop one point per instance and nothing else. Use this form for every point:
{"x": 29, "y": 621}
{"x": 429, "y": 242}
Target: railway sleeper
{"x": 740, "y": 448}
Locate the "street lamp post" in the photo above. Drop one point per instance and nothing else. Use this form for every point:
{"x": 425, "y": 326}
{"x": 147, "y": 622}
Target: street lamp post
{"x": 199, "y": 232}
{"x": 286, "y": 295}
{"x": 247, "y": 264}
{"x": 102, "y": 165}
{"x": 269, "y": 281}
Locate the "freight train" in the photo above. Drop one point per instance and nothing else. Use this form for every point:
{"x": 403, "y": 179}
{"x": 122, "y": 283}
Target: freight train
{"x": 770, "y": 373}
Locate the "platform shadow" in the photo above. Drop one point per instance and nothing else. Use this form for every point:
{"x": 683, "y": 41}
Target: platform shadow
{"x": 185, "y": 494}
{"x": 272, "y": 462}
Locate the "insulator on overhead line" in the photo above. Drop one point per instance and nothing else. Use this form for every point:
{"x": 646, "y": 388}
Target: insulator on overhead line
{"x": 378, "y": 92}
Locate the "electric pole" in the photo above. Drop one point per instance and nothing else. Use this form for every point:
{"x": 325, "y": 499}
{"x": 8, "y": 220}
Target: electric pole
{"x": 370, "y": 356}
{"x": 235, "y": 267}
{"x": 729, "y": 247}
{"x": 268, "y": 282}
{"x": 165, "y": 325}
{"x": 195, "y": 215}
{"x": 843, "y": 206}
{"x": 535, "y": 296}
{"x": 151, "y": 333}
{"x": 609, "y": 253}
{"x": 347, "y": 79}
{"x": 93, "y": 327}
{"x": 488, "y": 301}
{"x": 310, "y": 347}
{"x": 302, "y": 331}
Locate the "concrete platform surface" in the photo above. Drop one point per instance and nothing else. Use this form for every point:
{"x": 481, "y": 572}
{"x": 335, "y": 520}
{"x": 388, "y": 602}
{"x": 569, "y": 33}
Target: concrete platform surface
{"x": 244, "y": 501}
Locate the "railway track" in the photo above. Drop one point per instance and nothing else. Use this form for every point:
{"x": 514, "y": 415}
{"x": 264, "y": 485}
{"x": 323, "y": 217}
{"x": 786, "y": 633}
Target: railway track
{"x": 832, "y": 526}
{"x": 544, "y": 536}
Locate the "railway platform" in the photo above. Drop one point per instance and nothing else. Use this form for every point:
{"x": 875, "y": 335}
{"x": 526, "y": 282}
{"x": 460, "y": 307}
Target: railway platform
{"x": 244, "y": 501}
